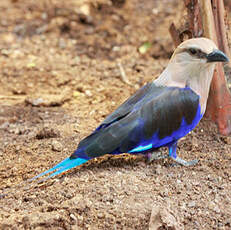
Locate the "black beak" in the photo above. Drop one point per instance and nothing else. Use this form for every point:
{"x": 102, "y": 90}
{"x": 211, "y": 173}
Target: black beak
{"x": 217, "y": 56}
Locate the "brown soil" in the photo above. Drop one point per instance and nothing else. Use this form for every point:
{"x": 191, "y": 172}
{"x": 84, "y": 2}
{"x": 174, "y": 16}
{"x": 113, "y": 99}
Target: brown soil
{"x": 59, "y": 78}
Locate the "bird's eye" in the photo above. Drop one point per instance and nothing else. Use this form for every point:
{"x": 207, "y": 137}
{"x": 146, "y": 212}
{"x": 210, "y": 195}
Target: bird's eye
{"x": 192, "y": 51}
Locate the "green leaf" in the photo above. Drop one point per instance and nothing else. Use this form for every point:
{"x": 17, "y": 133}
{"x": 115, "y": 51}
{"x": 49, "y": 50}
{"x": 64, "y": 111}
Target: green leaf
{"x": 145, "y": 47}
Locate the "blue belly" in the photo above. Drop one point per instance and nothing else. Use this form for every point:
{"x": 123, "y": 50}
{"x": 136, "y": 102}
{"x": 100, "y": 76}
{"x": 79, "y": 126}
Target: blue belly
{"x": 155, "y": 142}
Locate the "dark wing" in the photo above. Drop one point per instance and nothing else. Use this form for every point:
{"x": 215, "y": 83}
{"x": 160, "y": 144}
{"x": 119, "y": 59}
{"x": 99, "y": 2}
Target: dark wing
{"x": 134, "y": 102}
{"x": 151, "y": 110}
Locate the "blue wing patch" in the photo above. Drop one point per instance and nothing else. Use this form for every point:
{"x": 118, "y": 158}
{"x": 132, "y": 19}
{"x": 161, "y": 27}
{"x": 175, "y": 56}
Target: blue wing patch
{"x": 141, "y": 148}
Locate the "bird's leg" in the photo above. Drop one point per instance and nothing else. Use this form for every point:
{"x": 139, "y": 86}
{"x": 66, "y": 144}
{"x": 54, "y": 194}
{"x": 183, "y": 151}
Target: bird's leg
{"x": 156, "y": 155}
{"x": 172, "y": 153}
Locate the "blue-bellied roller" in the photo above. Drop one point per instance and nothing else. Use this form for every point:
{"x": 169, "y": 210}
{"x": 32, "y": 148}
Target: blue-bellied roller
{"x": 158, "y": 114}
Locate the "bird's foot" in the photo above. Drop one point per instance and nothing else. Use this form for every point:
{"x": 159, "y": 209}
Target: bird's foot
{"x": 172, "y": 153}
{"x": 155, "y": 156}
{"x": 180, "y": 161}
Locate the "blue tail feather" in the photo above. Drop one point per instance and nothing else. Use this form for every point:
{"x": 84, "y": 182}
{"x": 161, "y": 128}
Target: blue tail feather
{"x": 63, "y": 166}
{"x": 62, "y": 163}
{"x": 69, "y": 165}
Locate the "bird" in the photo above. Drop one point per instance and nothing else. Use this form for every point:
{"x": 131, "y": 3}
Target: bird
{"x": 158, "y": 114}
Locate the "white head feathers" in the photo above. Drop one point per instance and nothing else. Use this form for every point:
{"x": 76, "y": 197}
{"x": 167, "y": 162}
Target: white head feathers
{"x": 192, "y": 65}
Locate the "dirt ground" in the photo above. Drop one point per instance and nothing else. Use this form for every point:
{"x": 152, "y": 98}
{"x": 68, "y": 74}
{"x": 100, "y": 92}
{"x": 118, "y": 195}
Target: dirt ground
{"x": 59, "y": 77}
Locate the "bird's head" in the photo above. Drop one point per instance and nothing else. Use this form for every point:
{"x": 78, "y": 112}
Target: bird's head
{"x": 198, "y": 52}
{"x": 192, "y": 65}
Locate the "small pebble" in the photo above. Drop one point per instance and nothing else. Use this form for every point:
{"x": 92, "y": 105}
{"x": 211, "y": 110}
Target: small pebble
{"x": 56, "y": 146}
{"x": 88, "y": 93}
{"x": 216, "y": 209}
{"x": 158, "y": 169}
{"x": 191, "y": 204}
{"x": 73, "y": 217}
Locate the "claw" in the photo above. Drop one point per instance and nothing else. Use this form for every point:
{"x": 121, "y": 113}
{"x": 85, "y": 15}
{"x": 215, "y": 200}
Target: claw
{"x": 183, "y": 162}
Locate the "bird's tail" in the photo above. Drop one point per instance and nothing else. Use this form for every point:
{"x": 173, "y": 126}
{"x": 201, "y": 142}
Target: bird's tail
{"x": 63, "y": 166}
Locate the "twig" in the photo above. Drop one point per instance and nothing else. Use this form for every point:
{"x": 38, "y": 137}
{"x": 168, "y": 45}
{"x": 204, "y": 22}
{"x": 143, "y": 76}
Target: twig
{"x": 123, "y": 74}
{"x": 222, "y": 40}
{"x": 12, "y": 97}
{"x": 175, "y": 35}
{"x": 194, "y": 17}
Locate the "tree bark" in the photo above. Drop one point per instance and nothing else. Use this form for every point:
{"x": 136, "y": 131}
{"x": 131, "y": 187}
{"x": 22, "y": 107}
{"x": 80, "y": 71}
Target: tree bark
{"x": 219, "y": 101}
